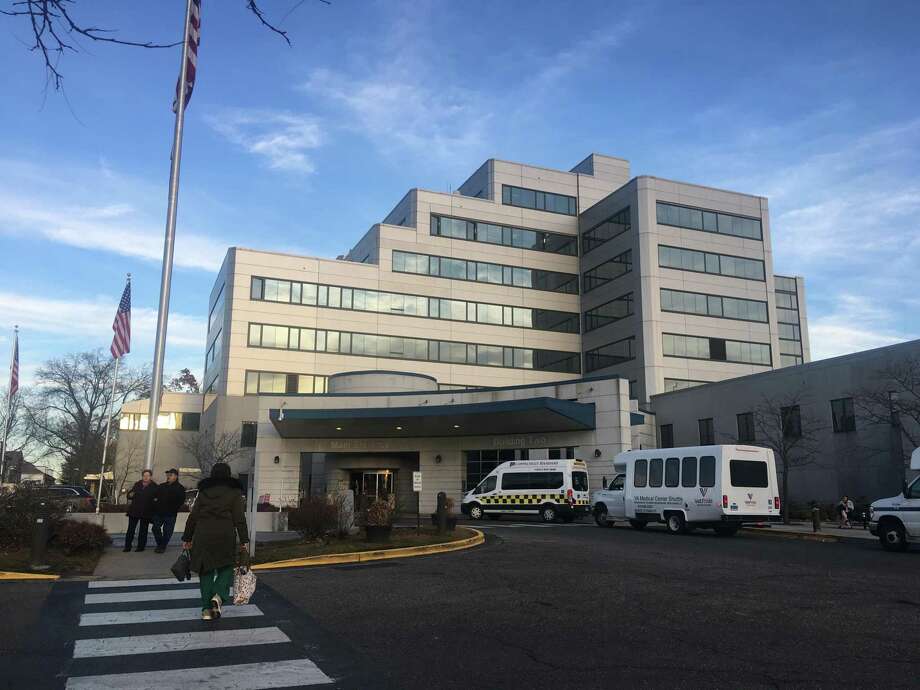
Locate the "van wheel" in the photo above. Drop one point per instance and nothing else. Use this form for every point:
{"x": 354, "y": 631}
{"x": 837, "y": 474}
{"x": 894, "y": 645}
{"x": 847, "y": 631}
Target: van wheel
{"x": 676, "y": 523}
{"x": 600, "y": 516}
{"x": 637, "y": 524}
{"x": 725, "y": 530}
{"x": 476, "y": 512}
{"x": 892, "y": 536}
{"x": 548, "y": 513}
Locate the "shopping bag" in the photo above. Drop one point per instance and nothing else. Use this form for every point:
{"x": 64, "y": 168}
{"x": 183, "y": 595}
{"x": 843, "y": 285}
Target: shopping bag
{"x": 244, "y": 584}
{"x": 182, "y": 568}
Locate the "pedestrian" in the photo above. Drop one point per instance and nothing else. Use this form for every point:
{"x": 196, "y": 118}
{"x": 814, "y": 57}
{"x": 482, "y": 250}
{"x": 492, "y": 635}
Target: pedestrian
{"x": 211, "y": 532}
{"x": 140, "y": 512}
{"x": 843, "y": 512}
{"x": 169, "y": 498}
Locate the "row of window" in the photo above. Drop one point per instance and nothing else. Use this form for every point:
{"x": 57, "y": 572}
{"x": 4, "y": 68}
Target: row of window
{"x": 716, "y": 349}
{"x": 785, "y": 284}
{"x": 216, "y": 315}
{"x": 359, "y": 299}
{"x": 787, "y": 315}
{"x": 213, "y": 353}
{"x": 673, "y": 472}
{"x": 178, "y": 421}
{"x": 422, "y": 349}
{"x": 606, "y": 230}
{"x": 479, "y": 463}
{"x": 522, "y": 238}
{"x": 713, "y": 305}
{"x": 278, "y": 382}
{"x": 680, "y": 384}
{"x": 541, "y": 201}
{"x": 610, "y": 354}
{"x": 609, "y": 312}
{"x": 707, "y": 262}
{"x": 608, "y": 271}
{"x": 708, "y": 221}
{"x": 484, "y": 272}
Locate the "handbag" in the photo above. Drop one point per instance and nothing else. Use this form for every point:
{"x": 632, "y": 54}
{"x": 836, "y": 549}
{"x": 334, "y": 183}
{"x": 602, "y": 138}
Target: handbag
{"x": 244, "y": 584}
{"x": 182, "y": 568}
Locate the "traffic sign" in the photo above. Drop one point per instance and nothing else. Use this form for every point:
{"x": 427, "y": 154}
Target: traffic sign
{"x": 416, "y": 481}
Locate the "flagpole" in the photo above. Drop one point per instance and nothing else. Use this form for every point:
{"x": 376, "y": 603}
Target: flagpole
{"x": 9, "y": 407}
{"x": 108, "y": 425}
{"x": 168, "y": 247}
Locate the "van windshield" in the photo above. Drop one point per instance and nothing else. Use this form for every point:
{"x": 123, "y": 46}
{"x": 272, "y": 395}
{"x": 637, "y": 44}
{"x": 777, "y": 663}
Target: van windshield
{"x": 749, "y": 473}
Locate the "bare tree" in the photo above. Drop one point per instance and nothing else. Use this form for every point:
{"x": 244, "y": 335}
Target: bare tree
{"x": 127, "y": 464}
{"x": 783, "y": 425}
{"x": 19, "y": 433}
{"x": 183, "y": 382}
{"x": 208, "y": 449}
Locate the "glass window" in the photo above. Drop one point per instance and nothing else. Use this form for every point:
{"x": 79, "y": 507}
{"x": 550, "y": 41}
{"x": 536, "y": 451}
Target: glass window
{"x": 843, "y": 415}
{"x": 784, "y": 283}
{"x": 255, "y": 289}
{"x": 606, "y": 230}
{"x": 707, "y": 435}
{"x": 308, "y": 294}
{"x": 655, "y": 467}
{"x": 580, "y": 481}
{"x": 667, "y": 435}
{"x": 487, "y": 485}
{"x": 543, "y": 201}
{"x": 609, "y": 312}
{"x": 610, "y": 354}
{"x": 608, "y": 271}
{"x": 255, "y": 335}
{"x": 707, "y": 471}
{"x": 640, "y": 474}
{"x": 248, "y": 434}
{"x": 688, "y": 473}
{"x": 672, "y": 472}
{"x": 531, "y": 481}
{"x": 748, "y": 474}
{"x": 746, "y": 427}
{"x": 791, "y": 418}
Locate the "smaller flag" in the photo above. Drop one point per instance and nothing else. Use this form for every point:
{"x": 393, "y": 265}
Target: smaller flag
{"x": 121, "y": 343}
{"x": 14, "y": 368}
{"x": 191, "y": 54}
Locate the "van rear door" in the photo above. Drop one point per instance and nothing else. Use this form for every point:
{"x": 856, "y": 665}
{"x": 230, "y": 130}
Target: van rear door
{"x": 748, "y": 486}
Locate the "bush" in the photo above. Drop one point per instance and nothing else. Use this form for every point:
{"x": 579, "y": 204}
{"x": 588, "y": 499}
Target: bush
{"x": 75, "y": 536}
{"x": 314, "y": 518}
{"x": 18, "y": 509}
{"x": 379, "y": 514}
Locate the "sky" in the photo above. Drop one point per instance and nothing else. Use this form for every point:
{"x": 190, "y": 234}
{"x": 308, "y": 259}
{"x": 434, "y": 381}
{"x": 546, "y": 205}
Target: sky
{"x": 301, "y": 149}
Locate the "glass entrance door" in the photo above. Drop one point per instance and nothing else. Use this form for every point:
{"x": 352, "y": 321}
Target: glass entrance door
{"x": 373, "y": 484}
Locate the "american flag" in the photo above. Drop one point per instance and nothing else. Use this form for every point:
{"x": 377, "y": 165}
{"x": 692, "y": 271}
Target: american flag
{"x": 191, "y": 54}
{"x": 14, "y": 368}
{"x": 121, "y": 343}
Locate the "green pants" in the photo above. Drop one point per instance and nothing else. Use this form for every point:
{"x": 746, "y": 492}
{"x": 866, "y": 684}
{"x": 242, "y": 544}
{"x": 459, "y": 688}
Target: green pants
{"x": 213, "y": 582}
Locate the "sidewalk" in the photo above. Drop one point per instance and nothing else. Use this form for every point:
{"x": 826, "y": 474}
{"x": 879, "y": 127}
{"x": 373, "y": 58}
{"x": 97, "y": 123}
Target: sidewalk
{"x": 803, "y": 529}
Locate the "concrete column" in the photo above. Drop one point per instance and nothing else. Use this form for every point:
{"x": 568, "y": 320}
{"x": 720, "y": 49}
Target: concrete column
{"x": 445, "y": 476}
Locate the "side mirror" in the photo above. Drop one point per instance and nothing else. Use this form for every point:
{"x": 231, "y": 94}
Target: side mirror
{"x": 604, "y": 483}
{"x": 904, "y": 489}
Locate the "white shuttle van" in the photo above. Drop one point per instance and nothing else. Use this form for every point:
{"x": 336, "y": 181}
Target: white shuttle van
{"x": 717, "y": 487}
{"x": 549, "y": 488}
{"x": 896, "y": 520}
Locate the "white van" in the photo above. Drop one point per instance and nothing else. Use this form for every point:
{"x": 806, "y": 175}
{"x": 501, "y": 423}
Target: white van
{"x": 549, "y": 488}
{"x": 717, "y": 487}
{"x": 896, "y": 520}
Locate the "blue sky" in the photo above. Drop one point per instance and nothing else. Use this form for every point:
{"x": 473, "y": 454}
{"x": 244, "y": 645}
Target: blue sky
{"x": 301, "y": 149}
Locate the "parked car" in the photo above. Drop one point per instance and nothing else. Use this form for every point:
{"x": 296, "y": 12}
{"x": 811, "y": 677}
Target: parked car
{"x": 896, "y": 520}
{"x": 72, "y": 498}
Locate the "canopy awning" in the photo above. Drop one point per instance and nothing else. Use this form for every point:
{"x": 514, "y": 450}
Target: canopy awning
{"x": 529, "y": 416}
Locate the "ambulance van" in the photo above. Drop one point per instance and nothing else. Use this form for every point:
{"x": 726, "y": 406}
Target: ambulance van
{"x": 715, "y": 487}
{"x": 552, "y": 489}
{"x": 896, "y": 520}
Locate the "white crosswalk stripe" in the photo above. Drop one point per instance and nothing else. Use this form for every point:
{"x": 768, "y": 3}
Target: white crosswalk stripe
{"x": 162, "y": 615}
{"x": 146, "y": 595}
{"x": 176, "y": 642}
{"x": 108, "y": 584}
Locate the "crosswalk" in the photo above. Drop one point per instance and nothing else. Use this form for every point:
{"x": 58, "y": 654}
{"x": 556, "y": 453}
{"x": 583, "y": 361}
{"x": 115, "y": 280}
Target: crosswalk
{"x": 135, "y": 634}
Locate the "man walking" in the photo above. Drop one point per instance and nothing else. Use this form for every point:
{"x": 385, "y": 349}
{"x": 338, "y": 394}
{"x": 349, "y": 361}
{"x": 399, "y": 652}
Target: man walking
{"x": 169, "y": 498}
{"x": 140, "y": 511}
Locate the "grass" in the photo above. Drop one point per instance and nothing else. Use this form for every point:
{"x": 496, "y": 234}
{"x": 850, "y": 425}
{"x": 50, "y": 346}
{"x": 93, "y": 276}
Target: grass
{"x": 81, "y": 563}
{"x": 401, "y": 537}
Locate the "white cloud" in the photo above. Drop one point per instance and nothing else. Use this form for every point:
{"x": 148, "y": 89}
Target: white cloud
{"x": 856, "y": 323}
{"x": 281, "y": 138}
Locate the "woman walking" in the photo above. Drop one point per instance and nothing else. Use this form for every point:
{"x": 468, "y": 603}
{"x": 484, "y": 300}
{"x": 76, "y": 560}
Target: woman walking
{"x": 211, "y": 534}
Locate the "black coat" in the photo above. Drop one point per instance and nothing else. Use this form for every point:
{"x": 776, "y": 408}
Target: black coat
{"x": 216, "y": 521}
{"x": 169, "y": 498}
{"x": 141, "y": 498}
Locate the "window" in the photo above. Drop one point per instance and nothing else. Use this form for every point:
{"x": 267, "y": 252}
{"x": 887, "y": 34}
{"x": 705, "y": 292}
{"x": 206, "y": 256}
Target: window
{"x": 792, "y": 421}
{"x": 531, "y": 481}
{"x": 609, "y": 312}
{"x": 579, "y": 481}
{"x": 707, "y": 471}
{"x": 655, "y": 467}
{"x": 476, "y": 231}
{"x": 541, "y": 201}
{"x": 606, "y": 230}
{"x": 706, "y": 262}
{"x": 843, "y": 415}
{"x": 486, "y": 486}
{"x": 216, "y": 315}
{"x": 746, "y": 427}
{"x": 608, "y": 271}
{"x": 640, "y": 474}
{"x": 716, "y": 349}
{"x": 713, "y": 305}
{"x": 708, "y": 221}
{"x": 248, "y": 434}
{"x": 190, "y": 421}
{"x": 750, "y": 474}
{"x": 672, "y": 472}
{"x": 667, "y": 435}
{"x": 610, "y": 354}
{"x": 617, "y": 484}
{"x": 707, "y": 435}
{"x": 680, "y": 384}
{"x": 261, "y": 382}
{"x": 688, "y": 473}
{"x": 785, "y": 284}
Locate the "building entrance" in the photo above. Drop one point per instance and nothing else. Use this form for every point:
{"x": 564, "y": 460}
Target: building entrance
{"x": 369, "y": 485}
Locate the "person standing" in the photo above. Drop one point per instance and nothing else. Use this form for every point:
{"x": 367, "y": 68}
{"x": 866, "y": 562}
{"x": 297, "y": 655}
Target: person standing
{"x": 843, "y": 512}
{"x": 169, "y": 498}
{"x": 211, "y": 532}
{"x": 140, "y": 511}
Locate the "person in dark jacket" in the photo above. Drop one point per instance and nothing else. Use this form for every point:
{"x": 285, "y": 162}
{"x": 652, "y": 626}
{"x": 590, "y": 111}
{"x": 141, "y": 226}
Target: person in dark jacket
{"x": 169, "y": 498}
{"x": 140, "y": 511}
{"x": 211, "y": 532}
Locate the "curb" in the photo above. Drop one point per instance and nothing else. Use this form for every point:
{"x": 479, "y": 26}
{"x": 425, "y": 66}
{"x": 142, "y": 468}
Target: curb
{"x": 10, "y": 576}
{"x": 801, "y": 536}
{"x": 379, "y": 555}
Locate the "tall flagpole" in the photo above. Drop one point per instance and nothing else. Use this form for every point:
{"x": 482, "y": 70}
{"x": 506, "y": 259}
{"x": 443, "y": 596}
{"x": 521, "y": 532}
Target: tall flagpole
{"x": 9, "y": 406}
{"x": 168, "y": 247}
{"x": 108, "y": 425}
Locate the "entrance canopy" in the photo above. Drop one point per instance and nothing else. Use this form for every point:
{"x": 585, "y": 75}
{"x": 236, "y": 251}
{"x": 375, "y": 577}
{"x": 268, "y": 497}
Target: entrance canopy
{"x": 532, "y": 415}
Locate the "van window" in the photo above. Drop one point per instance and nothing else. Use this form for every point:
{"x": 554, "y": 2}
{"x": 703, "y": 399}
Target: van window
{"x": 580, "y": 481}
{"x": 672, "y": 472}
{"x": 749, "y": 473}
{"x": 619, "y": 481}
{"x": 655, "y": 471}
{"x": 640, "y": 474}
{"x": 707, "y": 471}
{"x": 487, "y": 485}
{"x": 688, "y": 473}
{"x": 518, "y": 481}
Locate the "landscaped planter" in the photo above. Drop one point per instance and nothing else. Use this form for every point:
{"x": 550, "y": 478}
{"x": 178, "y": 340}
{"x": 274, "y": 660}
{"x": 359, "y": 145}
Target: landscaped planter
{"x": 451, "y": 521}
{"x": 378, "y": 534}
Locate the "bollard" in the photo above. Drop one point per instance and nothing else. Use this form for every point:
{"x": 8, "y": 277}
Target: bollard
{"x": 40, "y": 527}
{"x": 816, "y": 519}
{"x": 442, "y": 512}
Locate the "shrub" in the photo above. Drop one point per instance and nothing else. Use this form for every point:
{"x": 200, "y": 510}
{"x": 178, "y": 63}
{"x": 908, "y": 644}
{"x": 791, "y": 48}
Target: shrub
{"x": 75, "y": 536}
{"x": 18, "y": 509}
{"x": 314, "y": 518}
{"x": 379, "y": 514}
